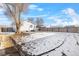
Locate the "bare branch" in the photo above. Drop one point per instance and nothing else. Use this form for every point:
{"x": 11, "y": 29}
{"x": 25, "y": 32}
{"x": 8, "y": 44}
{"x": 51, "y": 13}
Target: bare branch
{"x": 13, "y": 10}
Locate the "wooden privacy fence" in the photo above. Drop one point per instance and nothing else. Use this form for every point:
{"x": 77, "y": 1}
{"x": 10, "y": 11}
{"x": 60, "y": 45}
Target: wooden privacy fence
{"x": 60, "y": 29}
{"x": 50, "y": 29}
{"x": 7, "y": 29}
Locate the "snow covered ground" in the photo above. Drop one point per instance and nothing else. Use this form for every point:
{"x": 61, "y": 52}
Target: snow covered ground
{"x": 37, "y": 35}
{"x": 51, "y": 44}
{"x": 69, "y": 48}
{"x": 6, "y": 33}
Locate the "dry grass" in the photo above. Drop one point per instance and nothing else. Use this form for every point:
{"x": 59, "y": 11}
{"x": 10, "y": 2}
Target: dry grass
{"x": 16, "y": 37}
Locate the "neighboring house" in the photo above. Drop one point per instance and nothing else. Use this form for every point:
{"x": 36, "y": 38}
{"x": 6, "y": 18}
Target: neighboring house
{"x": 27, "y": 26}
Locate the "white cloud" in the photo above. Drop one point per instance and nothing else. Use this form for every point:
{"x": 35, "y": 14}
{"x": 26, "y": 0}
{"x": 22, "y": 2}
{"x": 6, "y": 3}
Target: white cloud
{"x": 35, "y": 7}
{"x": 69, "y": 11}
{"x": 5, "y": 21}
{"x": 2, "y": 11}
{"x": 40, "y": 9}
{"x": 44, "y": 15}
{"x": 52, "y": 17}
{"x": 59, "y": 21}
{"x": 74, "y": 16}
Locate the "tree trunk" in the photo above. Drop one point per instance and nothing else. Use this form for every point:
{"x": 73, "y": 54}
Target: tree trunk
{"x": 17, "y": 26}
{"x": 17, "y": 19}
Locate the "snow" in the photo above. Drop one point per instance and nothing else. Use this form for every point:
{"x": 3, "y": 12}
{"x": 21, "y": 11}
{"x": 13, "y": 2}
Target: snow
{"x": 6, "y": 33}
{"x": 70, "y": 48}
{"x": 36, "y": 35}
{"x": 41, "y": 42}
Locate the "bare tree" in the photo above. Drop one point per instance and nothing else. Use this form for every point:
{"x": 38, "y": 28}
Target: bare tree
{"x": 30, "y": 19}
{"x": 39, "y": 22}
{"x": 13, "y": 11}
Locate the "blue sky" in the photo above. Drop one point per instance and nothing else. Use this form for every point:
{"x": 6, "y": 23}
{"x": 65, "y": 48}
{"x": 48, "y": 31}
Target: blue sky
{"x": 54, "y": 14}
